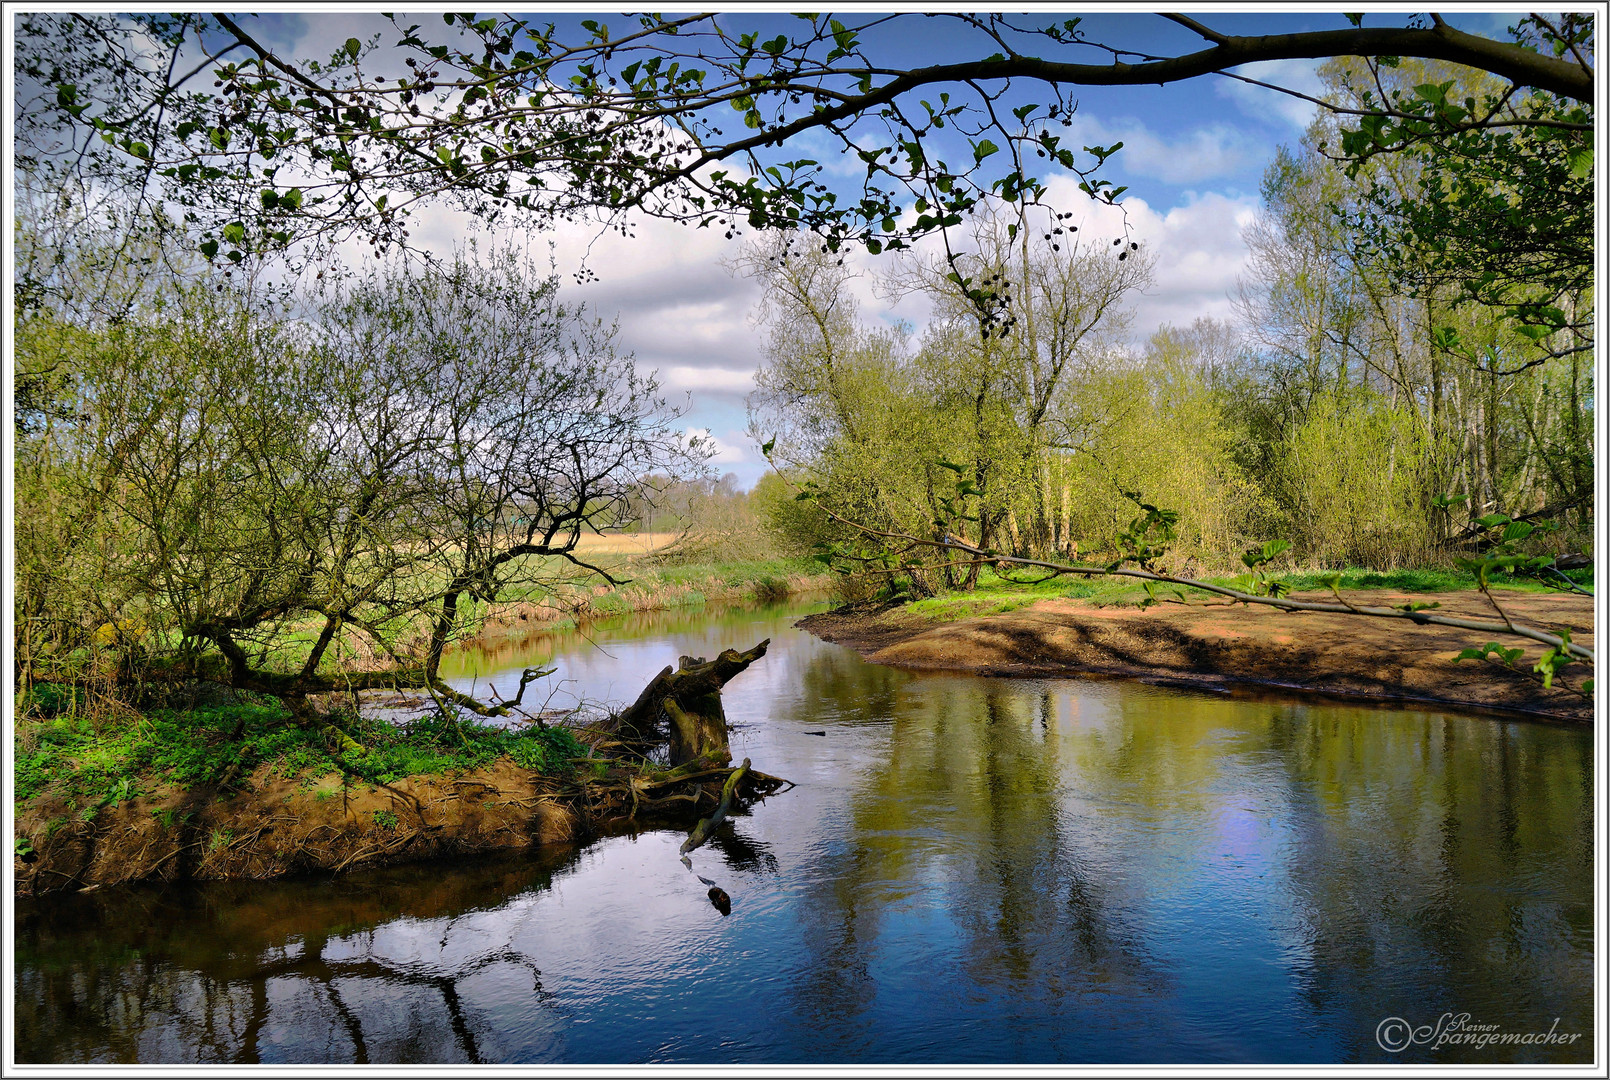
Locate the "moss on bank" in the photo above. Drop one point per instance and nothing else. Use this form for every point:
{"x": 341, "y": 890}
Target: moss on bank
{"x": 171, "y": 795}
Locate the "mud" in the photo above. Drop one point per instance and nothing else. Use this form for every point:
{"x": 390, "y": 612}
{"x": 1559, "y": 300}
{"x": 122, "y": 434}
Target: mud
{"x": 275, "y": 826}
{"x": 1223, "y": 646}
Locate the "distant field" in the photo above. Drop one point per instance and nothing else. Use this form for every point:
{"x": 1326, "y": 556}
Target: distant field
{"x": 624, "y": 543}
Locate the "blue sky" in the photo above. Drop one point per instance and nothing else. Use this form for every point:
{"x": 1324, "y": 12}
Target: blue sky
{"x": 1193, "y": 156}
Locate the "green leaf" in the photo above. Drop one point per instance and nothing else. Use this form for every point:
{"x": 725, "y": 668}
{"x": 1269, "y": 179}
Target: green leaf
{"x": 234, "y": 232}
{"x": 765, "y": 450}
{"x": 353, "y": 45}
{"x": 1517, "y": 530}
{"x": 1581, "y": 161}
{"x": 1492, "y": 521}
{"x": 209, "y": 248}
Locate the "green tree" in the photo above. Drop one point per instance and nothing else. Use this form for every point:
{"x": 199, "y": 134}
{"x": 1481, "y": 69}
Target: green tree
{"x": 318, "y": 505}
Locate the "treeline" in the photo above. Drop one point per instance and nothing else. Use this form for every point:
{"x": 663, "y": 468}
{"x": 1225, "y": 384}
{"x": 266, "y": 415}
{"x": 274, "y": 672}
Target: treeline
{"x": 312, "y": 491}
{"x": 1367, "y": 376}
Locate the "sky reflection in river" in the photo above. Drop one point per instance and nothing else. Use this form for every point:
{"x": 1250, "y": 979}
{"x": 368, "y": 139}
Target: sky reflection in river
{"x": 970, "y": 870}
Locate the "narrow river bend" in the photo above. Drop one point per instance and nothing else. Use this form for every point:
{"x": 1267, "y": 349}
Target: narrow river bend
{"x": 971, "y": 870}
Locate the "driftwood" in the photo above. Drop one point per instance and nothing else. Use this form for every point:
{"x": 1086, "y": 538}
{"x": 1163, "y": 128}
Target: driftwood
{"x": 686, "y": 703}
{"x": 701, "y": 832}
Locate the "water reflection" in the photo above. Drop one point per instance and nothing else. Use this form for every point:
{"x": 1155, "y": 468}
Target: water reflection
{"x": 969, "y": 870}
{"x": 611, "y": 659}
{"x": 369, "y": 968}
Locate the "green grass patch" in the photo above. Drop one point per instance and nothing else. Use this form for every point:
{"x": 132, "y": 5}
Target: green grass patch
{"x": 94, "y": 766}
{"x": 995, "y": 594}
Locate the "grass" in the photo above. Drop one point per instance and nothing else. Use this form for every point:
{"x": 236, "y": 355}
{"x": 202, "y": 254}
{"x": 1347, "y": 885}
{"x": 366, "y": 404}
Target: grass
{"x": 650, "y": 586}
{"x": 95, "y": 765}
{"x": 93, "y": 759}
{"x": 995, "y": 594}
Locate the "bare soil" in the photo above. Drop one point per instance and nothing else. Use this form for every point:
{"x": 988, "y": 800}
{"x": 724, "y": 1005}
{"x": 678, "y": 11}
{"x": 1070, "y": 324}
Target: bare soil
{"x": 1221, "y": 645}
{"x": 275, "y": 826}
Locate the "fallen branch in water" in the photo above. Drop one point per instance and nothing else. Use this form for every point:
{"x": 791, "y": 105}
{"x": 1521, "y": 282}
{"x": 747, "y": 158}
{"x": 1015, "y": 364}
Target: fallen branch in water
{"x": 701, "y": 832}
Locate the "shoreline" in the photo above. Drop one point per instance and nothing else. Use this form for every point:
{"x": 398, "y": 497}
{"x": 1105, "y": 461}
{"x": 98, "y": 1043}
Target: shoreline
{"x": 1221, "y": 647}
{"x": 272, "y": 825}
{"x": 276, "y": 826}
{"x": 574, "y": 608}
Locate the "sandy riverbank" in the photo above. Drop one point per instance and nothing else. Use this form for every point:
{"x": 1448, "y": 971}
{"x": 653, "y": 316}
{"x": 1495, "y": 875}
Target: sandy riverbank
{"x": 1219, "y": 645}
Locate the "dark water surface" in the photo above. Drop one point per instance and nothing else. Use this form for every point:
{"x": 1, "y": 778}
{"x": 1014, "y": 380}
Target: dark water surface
{"x": 970, "y": 870}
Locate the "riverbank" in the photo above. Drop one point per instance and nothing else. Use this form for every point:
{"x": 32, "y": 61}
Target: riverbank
{"x": 1220, "y": 646}
{"x": 653, "y": 587}
{"x": 170, "y": 796}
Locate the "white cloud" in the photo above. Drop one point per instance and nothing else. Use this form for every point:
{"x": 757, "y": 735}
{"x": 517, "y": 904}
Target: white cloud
{"x": 1271, "y": 106}
{"x": 707, "y": 379}
{"x": 1200, "y": 254}
{"x": 1205, "y": 153}
{"x": 1198, "y": 248}
{"x": 728, "y": 451}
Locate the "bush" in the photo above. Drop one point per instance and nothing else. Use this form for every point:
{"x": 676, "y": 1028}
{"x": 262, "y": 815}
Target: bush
{"x": 1357, "y": 477}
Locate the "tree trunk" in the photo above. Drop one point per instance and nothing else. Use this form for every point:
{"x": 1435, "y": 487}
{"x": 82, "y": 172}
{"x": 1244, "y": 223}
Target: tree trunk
{"x": 688, "y": 702}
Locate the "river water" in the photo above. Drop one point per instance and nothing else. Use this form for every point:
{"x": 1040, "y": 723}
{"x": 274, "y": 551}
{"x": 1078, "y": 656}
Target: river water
{"x": 970, "y": 870}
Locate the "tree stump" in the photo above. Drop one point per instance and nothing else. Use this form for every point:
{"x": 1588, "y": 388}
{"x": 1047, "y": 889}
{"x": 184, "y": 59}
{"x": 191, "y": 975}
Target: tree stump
{"x": 687, "y": 702}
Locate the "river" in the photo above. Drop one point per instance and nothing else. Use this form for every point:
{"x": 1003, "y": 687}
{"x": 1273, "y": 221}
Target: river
{"x": 970, "y": 870}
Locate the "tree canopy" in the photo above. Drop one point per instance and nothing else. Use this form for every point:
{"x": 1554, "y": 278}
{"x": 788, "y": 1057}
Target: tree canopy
{"x": 693, "y": 117}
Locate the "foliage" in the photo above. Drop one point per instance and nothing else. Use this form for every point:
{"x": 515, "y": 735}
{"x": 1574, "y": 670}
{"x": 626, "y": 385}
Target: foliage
{"x": 881, "y": 430}
{"x": 509, "y": 115}
{"x": 1500, "y": 202}
{"x": 1356, "y": 476}
{"x": 1349, "y": 368}
{"x": 258, "y": 500}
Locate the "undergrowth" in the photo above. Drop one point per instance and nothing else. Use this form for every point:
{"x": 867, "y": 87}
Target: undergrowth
{"x": 94, "y": 764}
